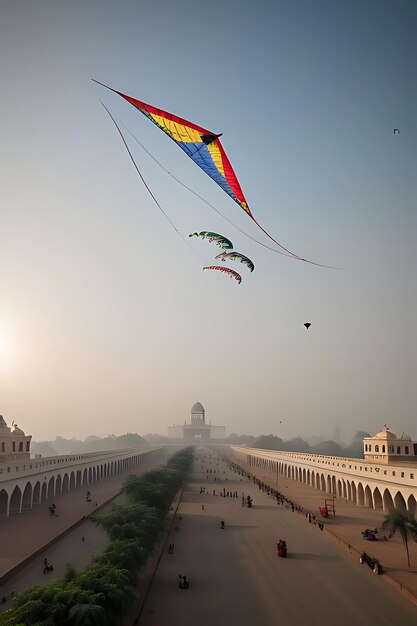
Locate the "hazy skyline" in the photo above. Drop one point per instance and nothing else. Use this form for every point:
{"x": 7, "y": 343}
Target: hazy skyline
{"x": 107, "y": 322}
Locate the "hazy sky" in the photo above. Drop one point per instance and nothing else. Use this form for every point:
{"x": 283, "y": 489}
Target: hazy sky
{"x": 107, "y": 322}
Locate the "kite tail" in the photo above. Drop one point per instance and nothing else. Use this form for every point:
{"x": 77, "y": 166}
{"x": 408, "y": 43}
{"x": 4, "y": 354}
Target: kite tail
{"x": 289, "y": 253}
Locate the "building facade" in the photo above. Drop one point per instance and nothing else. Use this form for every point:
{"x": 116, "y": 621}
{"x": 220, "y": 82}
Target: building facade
{"x": 25, "y": 482}
{"x": 197, "y": 431}
{"x": 366, "y": 482}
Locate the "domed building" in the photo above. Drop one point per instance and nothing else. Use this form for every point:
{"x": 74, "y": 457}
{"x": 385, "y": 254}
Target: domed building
{"x": 386, "y": 447}
{"x": 197, "y": 429}
{"x": 14, "y": 444}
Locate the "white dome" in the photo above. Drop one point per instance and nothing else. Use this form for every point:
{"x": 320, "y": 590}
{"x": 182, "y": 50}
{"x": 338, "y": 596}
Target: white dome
{"x": 197, "y": 408}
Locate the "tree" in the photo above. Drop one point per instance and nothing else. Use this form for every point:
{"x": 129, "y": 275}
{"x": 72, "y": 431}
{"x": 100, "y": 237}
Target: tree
{"x": 402, "y": 522}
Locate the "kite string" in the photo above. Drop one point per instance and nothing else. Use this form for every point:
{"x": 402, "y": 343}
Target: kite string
{"x": 287, "y": 253}
{"x": 149, "y": 190}
{"x": 180, "y": 182}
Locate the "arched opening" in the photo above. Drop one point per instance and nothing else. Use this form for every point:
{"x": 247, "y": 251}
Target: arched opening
{"x": 329, "y": 484}
{"x": 399, "y": 502}
{"x": 58, "y": 485}
{"x": 94, "y": 475}
{"x": 411, "y": 505}
{"x": 333, "y": 485}
{"x": 308, "y": 477}
{"x": 15, "y": 501}
{"x": 36, "y": 493}
{"x": 84, "y": 476}
{"x": 388, "y": 501}
{"x": 43, "y": 491}
{"x": 349, "y": 491}
{"x": 344, "y": 492}
{"x": 72, "y": 481}
{"x": 79, "y": 478}
{"x": 368, "y": 496}
{"x": 378, "y": 504}
{"x": 323, "y": 483}
{"x": 361, "y": 495}
{"x": 354, "y": 494}
{"x": 339, "y": 488}
{"x": 4, "y": 499}
{"x": 51, "y": 488}
{"x": 65, "y": 483}
{"x": 90, "y": 475}
{"x": 27, "y": 497}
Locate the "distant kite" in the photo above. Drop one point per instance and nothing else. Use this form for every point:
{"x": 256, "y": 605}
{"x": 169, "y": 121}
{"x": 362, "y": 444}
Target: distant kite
{"x": 307, "y": 325}
{"x": 220, "y": 268}
{"x": 236, "y": 256}
{"x": 219, "y": 240}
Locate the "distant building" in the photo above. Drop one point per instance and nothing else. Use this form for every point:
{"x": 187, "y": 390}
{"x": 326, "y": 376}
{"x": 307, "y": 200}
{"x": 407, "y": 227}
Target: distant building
{"x": 386, "y": 447}
{"x": 197, "y": 429}
{"x": 14, "y": 444}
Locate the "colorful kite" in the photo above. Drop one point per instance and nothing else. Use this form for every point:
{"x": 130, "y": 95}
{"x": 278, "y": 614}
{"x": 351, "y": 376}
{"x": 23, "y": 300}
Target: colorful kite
{"x": 205, "y": 149}
{"x": 236, "y": 256}
{"x": 220, "y": 268}
{"x": 219, "y": 240}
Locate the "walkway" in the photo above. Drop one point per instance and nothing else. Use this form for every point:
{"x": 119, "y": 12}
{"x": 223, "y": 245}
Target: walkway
{"x": 237, "y": 578}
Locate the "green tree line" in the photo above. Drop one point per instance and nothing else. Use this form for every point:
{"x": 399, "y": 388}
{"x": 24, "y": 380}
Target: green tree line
{"x": 101, "y": 593}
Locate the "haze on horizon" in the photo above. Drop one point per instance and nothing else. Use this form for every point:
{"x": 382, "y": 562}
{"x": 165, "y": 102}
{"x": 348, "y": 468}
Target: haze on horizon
{"x": 107, "y": 322}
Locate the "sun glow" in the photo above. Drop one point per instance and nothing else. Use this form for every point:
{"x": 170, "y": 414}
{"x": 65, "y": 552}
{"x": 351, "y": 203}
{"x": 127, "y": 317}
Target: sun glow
{"x": 6, "y": 348}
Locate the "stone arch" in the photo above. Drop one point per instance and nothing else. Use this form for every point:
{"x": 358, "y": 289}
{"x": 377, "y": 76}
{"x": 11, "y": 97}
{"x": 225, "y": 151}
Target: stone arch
{"x": 400, "y": 502}
{"x": 65, "y": 483}
{"x": 58, "y": 485}
{"x": 378, "y": 504}
{"x": 411, "y": 505}
{"x": 44, "y": 491}
{"x": 388, "y": 501}
{"x": 90, "y": 475}
{"x": 339, "y": 488}
{"x": 322, "y": 483}
{"x": 344, "y": 490}
{"x": 37, "y": 493}
{"x": 50, "y": 492}
{"x": 349, "y": 490}
{"x": 333, "y": 485}
{"x": 368, "y": 497}
{"x": 72, "y": 481}
{"x": 361, "y": 494}
{"x": 354, "y": 493}
{"x": 27, "y": 496}
{"x": 328, "y": 484}
{"x": 4, "y": 501}
{"x": 95, "y": 474}
{"x": 78, "y": 481}
{"x": 84, "y": 476}
{"x": 309, "y": 477}
{"x": 15, "y": 502}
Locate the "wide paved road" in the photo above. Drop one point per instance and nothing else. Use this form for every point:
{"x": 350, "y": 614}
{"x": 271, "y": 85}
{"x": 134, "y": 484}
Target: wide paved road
{"x": 237, "y": 578}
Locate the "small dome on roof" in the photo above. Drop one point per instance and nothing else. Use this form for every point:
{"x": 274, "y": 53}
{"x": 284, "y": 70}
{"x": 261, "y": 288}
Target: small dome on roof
{"x": 197, "y": 408}
{"x": 385, "y": 433}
